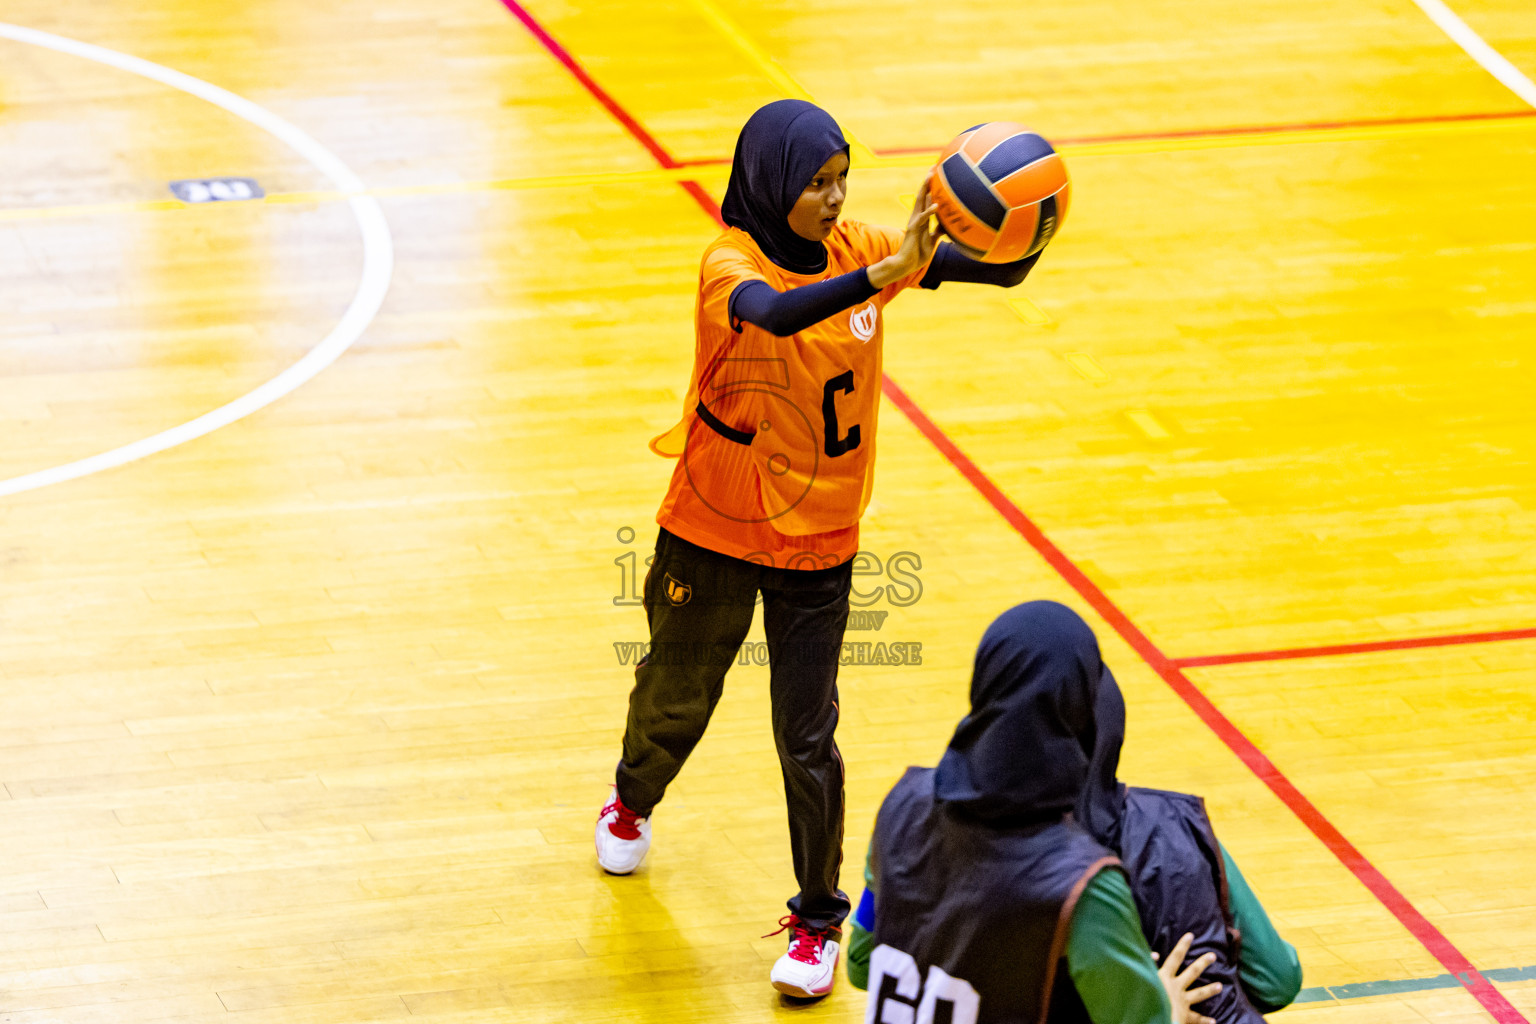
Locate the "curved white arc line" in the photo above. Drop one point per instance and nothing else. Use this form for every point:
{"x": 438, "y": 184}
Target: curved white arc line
{"x": 1492, "y": 60}
{"x": 378, "y": 263}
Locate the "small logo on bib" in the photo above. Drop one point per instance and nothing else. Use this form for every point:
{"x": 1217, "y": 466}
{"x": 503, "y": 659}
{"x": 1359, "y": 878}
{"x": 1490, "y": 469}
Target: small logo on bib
{"x": 863, "y": 320}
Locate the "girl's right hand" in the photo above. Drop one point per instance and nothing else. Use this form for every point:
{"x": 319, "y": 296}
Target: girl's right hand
{"x": 917, "y": 244}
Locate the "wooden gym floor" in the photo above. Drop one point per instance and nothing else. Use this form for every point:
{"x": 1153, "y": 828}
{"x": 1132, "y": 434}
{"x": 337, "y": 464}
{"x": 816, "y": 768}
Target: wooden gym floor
{"x": 307, "y": 718}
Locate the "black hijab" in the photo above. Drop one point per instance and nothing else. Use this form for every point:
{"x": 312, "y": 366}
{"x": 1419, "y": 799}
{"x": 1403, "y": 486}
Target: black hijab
{"x": 1022, "y": 755}
{"x": 781, "y": 148}
{"x": 1102, "y": 804}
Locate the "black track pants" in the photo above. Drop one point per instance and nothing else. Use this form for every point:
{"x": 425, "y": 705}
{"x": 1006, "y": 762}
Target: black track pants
{"x": 700, "y": 604}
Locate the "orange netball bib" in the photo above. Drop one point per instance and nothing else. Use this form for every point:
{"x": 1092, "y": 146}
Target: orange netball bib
{"x": 781, "y": 431}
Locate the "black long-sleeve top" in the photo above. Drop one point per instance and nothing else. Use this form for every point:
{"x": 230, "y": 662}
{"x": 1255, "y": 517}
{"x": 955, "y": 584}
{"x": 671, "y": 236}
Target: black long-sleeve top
{"x": 785, "y": 313}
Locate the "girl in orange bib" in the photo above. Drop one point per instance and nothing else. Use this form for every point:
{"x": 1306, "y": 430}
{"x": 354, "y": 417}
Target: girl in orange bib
{"x": 776, "y": 454}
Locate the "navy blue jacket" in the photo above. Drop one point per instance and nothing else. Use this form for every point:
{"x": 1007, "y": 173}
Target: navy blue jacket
{"x": 1169, "y": 850}
{"x": 965, "y": 908}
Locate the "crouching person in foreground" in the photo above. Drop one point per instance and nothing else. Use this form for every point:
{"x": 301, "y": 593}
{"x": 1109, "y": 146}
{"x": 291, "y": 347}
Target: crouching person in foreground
{"x": 991, "y": 905}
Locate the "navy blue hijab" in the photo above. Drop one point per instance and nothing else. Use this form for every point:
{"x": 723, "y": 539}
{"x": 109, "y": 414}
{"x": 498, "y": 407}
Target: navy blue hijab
{"x": 781, "y": 148}
{"x": 1022, "y": 755}
{"x": 1102, "y": 805}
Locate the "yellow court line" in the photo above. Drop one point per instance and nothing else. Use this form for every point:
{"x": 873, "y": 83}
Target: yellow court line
{"x": 711, "y": 171}
{"x": 87, "y": 209}
{"x": 659, "y": 175}
{"x": 862, "y": 155}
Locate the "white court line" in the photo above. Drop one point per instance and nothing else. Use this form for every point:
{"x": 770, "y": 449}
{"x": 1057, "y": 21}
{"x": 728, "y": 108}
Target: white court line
{"x": 378, "y": 263}
{"x": 1492, "y": 61}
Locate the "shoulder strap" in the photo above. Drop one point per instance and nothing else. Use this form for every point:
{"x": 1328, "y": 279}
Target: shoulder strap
{"x": 1064, "y": 926}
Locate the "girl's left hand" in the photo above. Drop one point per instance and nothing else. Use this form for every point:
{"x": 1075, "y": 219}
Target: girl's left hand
{"x": 1181, "y": 996}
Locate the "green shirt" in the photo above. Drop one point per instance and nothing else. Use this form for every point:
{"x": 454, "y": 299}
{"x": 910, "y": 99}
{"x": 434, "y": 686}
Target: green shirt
{"x": 1268, "y": 968}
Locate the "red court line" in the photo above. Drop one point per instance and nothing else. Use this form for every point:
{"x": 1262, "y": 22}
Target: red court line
{"x": 1240, "y": 131}
{"x": 1433, "y": 940}
{"x": 703, "y": 198}
{"x": 600, "y": 94}
{"x": 1418, "y": 925}
{"x": 1406, "y": 644}
{"x": 1232, "y": 132}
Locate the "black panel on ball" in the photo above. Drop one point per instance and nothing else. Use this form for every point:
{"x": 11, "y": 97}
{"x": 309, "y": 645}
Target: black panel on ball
{"x": 973, "y": 193}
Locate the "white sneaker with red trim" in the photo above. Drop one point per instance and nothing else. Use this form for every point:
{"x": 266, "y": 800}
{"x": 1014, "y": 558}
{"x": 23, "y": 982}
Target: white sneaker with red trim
{"x": 809, "y": 968}
{"x": 622, "y": 837}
